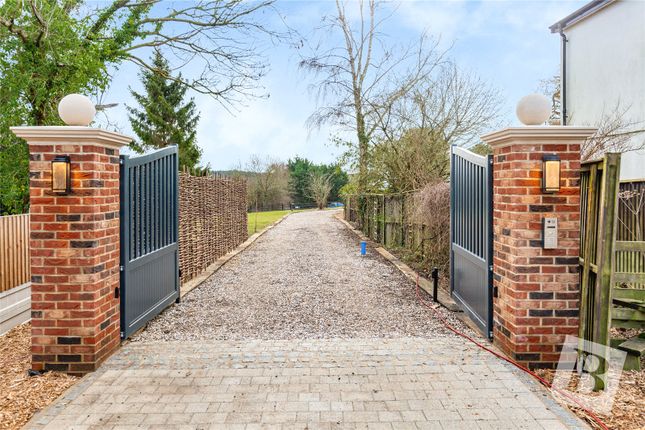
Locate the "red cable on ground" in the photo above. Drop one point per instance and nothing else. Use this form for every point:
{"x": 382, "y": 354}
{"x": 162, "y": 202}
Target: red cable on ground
{"x": 543, "y": 381}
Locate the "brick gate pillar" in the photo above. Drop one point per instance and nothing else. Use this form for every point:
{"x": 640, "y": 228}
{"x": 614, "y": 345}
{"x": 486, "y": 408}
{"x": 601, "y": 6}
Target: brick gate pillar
{"x": 74, "y": 247}
{"x": 536, "y": 289}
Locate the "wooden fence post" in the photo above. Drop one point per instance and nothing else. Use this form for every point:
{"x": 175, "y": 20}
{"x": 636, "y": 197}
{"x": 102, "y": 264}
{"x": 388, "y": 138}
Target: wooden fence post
{"x": 607, "y": 223}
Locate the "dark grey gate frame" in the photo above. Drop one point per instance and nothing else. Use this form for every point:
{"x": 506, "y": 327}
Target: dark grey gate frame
{"x": 471, "y": 235}
{"x": 149, "y": 236}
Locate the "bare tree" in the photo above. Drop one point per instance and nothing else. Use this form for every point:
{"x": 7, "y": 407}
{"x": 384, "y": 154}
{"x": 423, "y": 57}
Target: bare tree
{"x": 267, "y": 182}
{"x": 414, "y": 133}
{"x": 363, "y": 74}
{"x": 551, "y": 88}
{"x": 319, "y": 188}
{"x": 456, "y": 106}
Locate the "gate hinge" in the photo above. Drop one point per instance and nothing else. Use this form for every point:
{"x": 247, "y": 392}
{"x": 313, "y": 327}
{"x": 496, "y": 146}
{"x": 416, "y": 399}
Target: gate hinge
{"x": 489, "y": 267}
{"x": 122, "y": 335}
{"x": 490, "y": 161}
{"x": 121, "y": 268}
{"x": 120, "y": 160}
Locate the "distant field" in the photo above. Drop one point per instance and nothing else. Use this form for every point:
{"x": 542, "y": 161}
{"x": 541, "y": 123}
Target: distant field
{"x": 264, "y": 219}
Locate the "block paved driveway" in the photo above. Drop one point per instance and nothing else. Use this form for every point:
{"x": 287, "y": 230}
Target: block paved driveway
{"x": 300, "y": 332}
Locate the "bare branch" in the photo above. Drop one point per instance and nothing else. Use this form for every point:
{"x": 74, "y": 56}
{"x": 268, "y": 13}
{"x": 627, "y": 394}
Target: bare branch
{"x": 221, "y": 38}
{"x": 615, "y": 133}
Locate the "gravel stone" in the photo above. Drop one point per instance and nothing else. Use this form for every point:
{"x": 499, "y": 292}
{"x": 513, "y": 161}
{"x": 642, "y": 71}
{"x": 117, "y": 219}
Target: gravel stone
{"x": 304, "y": 278}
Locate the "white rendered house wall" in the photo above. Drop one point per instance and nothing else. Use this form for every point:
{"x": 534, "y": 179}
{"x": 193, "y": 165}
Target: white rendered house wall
{"x": 606, "y": 70}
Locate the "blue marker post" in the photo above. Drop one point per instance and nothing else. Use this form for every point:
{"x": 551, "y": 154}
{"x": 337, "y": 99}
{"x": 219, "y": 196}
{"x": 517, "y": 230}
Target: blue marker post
{"x": 363, "y": 247}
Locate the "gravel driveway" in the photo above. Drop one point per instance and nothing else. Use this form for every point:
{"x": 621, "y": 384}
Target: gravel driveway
{"x": 302, "y": 279}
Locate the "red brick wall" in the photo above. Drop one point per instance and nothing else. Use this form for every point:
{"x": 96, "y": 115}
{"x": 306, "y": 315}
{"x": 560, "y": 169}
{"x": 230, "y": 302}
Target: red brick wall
{"x": 537, "y": 289}
{"x": 74, "y": 258}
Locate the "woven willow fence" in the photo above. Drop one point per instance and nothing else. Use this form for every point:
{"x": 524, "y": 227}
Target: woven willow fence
{"x": 212, "y": 220}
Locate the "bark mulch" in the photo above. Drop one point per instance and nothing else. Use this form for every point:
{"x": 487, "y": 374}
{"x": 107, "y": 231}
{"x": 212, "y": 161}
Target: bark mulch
{"x": 628, "y": 412}
{"x": 21, "y": 396}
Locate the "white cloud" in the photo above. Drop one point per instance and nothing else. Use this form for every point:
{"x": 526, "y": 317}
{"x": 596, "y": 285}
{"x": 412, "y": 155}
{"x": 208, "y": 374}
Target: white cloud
{"x": 439, "y": 18}
{"x": 263, "y": 127}
{"x": 461, "y": 19}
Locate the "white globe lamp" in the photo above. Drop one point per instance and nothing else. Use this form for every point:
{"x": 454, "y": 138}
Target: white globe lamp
{"x": 76, "y": 109}
{"x": 533, "y": 109}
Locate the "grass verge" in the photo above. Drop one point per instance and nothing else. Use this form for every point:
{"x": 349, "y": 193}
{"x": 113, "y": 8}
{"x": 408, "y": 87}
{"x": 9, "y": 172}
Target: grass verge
{"x": 258, "y": 220}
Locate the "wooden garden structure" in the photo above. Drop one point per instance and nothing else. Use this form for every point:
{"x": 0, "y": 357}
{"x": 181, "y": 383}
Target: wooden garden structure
{"x": 612, "y": 258}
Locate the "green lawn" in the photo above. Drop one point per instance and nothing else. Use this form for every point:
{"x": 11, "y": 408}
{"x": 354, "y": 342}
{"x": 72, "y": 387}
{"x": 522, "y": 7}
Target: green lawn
{"x": 264, "y": 219}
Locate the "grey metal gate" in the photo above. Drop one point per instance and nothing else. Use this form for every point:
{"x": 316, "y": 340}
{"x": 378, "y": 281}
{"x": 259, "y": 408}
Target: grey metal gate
{"x": 149, "y": 223}
{"x": 471, "y": 232}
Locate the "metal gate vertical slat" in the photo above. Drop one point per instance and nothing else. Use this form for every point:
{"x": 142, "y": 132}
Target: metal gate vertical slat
{"x": 146, "y": 209}
{"x": 142, "y": 215}
{"x": 138, "y": 188}
{"x": 158, "y": 243}
{"x": 467, "y": 208}
{"x": 166, "y": 196}
{"x": 475, "y": 210}
{"x": 154, "y": 204}
{"x": 160, "y": 198}
{"x": 135, "y": 210}
{"x": 165, "y": 215}
{"x": 460, "y": 196}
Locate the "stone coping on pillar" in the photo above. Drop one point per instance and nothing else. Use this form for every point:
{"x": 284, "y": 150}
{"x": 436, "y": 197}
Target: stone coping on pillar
{"x": 537, "y": 134}
{"x": 51, "y": 135}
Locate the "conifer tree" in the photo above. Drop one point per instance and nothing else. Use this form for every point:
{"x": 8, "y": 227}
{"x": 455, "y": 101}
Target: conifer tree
{"x": 163, "y": 117}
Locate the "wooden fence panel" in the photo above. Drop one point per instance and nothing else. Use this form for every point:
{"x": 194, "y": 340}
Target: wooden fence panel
{"x": 389, "y": 219}
{"x": 631, "y": 228}
{"x": 14, "y": 247}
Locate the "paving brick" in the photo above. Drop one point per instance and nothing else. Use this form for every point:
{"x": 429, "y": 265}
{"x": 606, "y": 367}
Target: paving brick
{"x": 119, "y": 394}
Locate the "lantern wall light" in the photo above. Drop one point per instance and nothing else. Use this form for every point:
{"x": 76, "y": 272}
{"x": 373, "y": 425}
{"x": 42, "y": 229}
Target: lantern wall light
{"x": 550, "y": 173}
{"x": 61, "y": 175}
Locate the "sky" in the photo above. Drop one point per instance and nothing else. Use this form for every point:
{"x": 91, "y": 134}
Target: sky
{"x": 507, "y": 43}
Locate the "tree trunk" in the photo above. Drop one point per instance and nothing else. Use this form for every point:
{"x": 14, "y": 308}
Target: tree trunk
{"x": 363, "y": 142}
